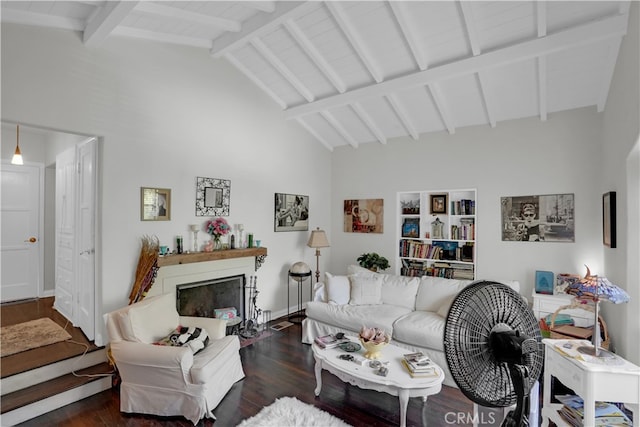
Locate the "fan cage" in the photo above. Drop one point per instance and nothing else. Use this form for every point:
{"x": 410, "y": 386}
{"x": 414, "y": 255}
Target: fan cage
{"x": 474, "y": 313}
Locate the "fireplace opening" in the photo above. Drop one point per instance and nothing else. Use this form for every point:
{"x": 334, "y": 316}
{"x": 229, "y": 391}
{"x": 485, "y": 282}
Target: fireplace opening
{"x": 201, "y": 299}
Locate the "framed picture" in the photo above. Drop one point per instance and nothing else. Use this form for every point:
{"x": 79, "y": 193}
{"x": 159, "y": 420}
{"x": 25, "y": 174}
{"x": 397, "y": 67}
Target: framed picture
{"x": 547, "y": 218}
{"x": 609, "y": 219}
{"x": 438, "y": 204}
{"x": 213, "y": 196}
{"x": 291, "y": 212}
{"x": 364, "y": 216}
{"x": 411, "y": 227}
{"x": 544, "y": 282}
{"x": 155, "y": 204}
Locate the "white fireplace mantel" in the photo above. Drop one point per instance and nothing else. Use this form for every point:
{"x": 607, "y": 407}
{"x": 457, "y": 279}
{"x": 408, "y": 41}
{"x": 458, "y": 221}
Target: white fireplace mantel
{"x": 201, "y": 266}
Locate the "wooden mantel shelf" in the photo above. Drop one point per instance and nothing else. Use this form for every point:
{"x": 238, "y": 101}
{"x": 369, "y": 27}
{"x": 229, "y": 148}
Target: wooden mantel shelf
{"x": 258, "y": 253}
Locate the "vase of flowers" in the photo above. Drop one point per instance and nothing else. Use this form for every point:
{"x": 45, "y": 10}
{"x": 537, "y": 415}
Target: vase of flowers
{"x": 217, "y": 227}
{"x": 373, "y": 340}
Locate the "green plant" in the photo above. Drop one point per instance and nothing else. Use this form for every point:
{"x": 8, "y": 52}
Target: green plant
{"x": 373, "y": 261}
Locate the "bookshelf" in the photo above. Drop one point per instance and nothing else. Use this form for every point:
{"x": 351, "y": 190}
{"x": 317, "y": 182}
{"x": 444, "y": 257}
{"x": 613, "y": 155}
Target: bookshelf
{"x": 437, "y": 233}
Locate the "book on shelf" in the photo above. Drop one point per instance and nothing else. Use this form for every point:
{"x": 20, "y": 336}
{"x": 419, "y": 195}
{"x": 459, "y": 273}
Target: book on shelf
{"x": 330, "y": 341}
{"x": 606, "y": 414}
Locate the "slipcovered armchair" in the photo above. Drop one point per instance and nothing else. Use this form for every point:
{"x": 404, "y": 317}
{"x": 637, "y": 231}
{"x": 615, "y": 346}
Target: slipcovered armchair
{"x": 170, "y": 380}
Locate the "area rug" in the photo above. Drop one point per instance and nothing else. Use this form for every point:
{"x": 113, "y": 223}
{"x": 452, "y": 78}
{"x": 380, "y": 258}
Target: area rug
{"x": 290, "y": 412}
{"x": 29, "y": 335}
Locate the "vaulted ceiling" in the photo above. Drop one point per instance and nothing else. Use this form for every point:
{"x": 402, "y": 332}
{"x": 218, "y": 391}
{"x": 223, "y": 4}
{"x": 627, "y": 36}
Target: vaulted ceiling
{"x": 365, "y": 72}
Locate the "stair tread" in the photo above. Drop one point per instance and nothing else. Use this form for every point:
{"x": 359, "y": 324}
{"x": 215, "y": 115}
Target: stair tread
{"x": 52, "y": 387}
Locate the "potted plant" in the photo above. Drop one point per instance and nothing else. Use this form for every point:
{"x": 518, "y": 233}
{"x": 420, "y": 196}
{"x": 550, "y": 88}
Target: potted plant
{"x": 373, "y": 261}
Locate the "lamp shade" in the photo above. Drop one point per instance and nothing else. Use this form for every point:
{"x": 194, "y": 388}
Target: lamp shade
{"x": 318, "y": 239}
{"x": 597, "y": 288}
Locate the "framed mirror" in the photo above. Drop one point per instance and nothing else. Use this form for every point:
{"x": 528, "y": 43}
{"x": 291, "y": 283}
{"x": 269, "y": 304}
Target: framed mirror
{"x": 155, "y": 204}
{"x": 213, "y": 196}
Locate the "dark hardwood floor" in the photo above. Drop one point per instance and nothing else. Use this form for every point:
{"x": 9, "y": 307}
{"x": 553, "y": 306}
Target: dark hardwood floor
{"x": 276, "y": 366}
{"x": 24, "y": 311}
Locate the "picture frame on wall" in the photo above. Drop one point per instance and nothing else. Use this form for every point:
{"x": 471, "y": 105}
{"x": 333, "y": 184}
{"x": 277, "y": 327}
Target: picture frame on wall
{"x": 538, "y": 218}
{"x": 213, "y": 196}
{"x": 155, "y": 204}
{"x": 609, "y": 219}
{"x": 291, "y": 212}
{"x": 364, "y": 216}
{"x": 438, "y": 204}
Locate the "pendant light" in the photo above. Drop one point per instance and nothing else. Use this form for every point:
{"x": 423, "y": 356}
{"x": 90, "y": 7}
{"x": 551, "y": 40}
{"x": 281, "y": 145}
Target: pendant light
{"x": 17, "y": 156}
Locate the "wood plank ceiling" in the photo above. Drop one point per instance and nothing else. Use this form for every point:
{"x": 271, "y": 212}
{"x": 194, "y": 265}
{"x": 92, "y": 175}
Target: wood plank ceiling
{"x": 356, "y": 72}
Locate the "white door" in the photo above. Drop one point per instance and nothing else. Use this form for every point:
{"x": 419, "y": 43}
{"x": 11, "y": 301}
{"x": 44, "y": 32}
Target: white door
{"x": 86, "y": 237}
{"x": 21, "y": 260}
{"x": 66, "y": 252}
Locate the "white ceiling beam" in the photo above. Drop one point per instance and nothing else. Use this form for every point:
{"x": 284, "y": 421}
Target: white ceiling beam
{"x": 315, "y": 134}
{"x": 315, "y": 55}
{"x": 24, "y": 17}
{"x": 339, "y": 128}
{"x": 541, "y": 12}
{"x": 575, "y": 37}
{"x": 623, "y": 7}
{"x": 472, "y": 33}
{"x": 369, "y": 122}
{"x": 260, "y": 25}
{"x": 262, "y": 6}
{"x": 282, "y": 68}
{"x": 358, "y": 45}
{"x": 106, "y": 20}
{"x": 244, "y": 70}
{"x": 185, "y": 15}
{"x": 607, "y": 75}
{"x": 408, "y": 30}
{"x": 542, "y": 87}
{"x": 438, "y": 100}
{"x": 161, "y": 37}
{"x": 402, "y": 114}
{"x": 484, "y": 92}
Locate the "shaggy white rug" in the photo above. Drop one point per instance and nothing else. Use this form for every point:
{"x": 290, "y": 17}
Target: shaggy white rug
{"x": 290, "y": 412}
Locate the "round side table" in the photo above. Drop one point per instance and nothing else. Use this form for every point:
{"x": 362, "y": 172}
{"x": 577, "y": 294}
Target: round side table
{"x": 299, "y": 278}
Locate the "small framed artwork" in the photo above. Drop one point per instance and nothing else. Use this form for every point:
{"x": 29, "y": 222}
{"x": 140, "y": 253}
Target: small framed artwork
{"x": 411, "y": 227}
{"x": 213, "y": 196}
{"x": 364, "y": 216}
{"x": 438, "y": 204}
{"x": 155, "y": 204}
{"x": 544, "y": 282}
{"x": 609, "y": 219}
{"x": 291, "y": 212}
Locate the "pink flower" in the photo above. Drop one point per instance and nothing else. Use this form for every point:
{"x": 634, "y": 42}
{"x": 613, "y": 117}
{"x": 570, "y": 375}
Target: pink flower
{"x": 217, "y": 227}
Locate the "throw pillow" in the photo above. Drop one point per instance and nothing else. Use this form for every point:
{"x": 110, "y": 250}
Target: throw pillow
{"x": 194, "y": 338}
{"x": 338, "y": 289}
{"x": 365, "y": 290}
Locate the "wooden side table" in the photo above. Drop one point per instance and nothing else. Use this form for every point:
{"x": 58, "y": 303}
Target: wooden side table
{"x": 613, "y": 381}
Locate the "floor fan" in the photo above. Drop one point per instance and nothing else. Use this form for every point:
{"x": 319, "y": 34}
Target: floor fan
{"x": 493, "y": 348}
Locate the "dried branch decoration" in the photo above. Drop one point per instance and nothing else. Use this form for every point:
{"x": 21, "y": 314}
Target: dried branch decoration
{"x": 147, "y": 268}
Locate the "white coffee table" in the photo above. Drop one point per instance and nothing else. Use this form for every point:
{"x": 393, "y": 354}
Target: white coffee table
{"x": 398, "y": 382}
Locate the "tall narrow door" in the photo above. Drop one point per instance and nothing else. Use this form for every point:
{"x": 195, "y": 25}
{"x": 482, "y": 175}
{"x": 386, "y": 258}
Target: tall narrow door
{"x": 86, "y": 238}
{"x": 65, "y": 264}
{"x": 20, "y": 247}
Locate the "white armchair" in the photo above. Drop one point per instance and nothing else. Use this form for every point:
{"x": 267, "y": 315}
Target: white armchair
{"x": 170, "y": 381}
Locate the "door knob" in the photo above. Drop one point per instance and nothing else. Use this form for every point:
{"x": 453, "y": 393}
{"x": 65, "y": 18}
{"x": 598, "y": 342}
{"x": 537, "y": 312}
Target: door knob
{"x": 31, "y": 240}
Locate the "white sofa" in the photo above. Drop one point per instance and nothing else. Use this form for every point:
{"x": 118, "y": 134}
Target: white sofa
{"x": 411, "y": 309}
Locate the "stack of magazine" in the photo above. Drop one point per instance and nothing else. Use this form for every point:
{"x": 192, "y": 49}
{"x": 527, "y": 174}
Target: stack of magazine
{"x": 607, "y": 414}
{"x": 330, "y": 341}
{"x": 419, "y": 365}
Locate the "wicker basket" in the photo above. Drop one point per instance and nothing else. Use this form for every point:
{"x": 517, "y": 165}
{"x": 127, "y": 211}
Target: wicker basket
{"x": 604, "y": 333}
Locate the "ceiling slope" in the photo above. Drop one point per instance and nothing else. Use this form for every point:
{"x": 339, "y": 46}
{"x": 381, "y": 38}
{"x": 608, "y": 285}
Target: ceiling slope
{"x": 353, "y": 73}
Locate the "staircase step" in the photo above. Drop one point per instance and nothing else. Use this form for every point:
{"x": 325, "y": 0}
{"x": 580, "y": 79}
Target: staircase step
{"x": 50, "y": 371}
{"x": 41, "y": 398}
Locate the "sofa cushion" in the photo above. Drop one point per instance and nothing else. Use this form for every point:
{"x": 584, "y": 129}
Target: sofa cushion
{"x": 365, "y": 290}
{"x": 420, "y": 328}
{"x": 338, "y": 288}
{"x": 152, "y": 320}
{"x": 433, "y": 292}
{"x": 400, "y": 290}
{"x": 354, "y": 317}
{"x": 443, "y": 311}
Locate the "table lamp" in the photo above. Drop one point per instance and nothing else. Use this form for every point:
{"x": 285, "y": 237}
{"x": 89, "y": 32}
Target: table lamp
{"x": 317, "y": 240}
{"x": 595, "y": 288}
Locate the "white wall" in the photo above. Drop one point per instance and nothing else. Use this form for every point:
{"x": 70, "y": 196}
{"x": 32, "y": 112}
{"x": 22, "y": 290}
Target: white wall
{"x": 167, "y": 115}
{"x": 621, "y": 128}
{"x": 520, "y": 157}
